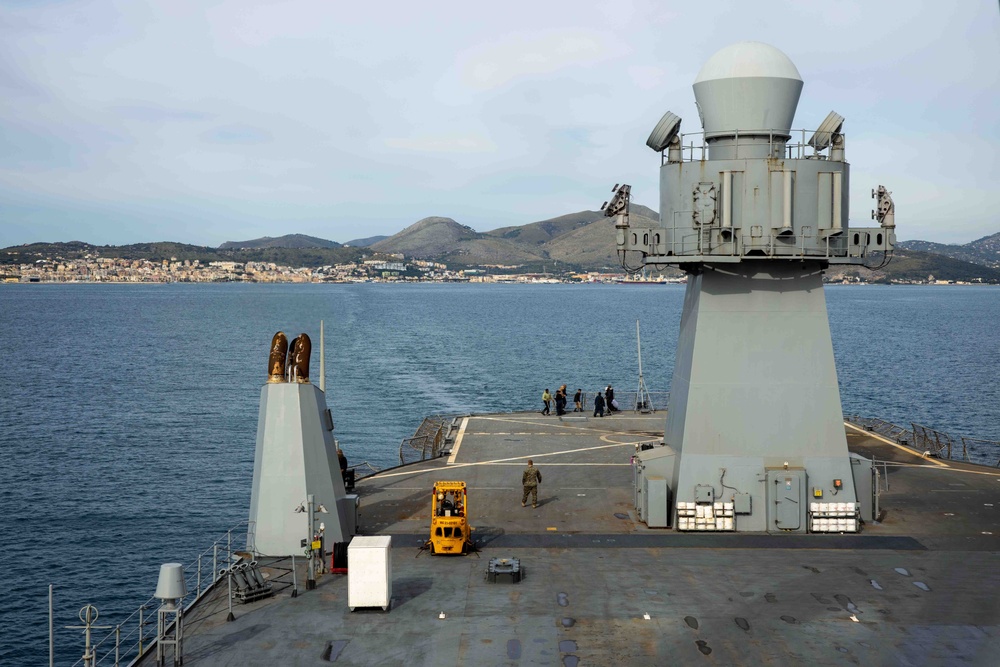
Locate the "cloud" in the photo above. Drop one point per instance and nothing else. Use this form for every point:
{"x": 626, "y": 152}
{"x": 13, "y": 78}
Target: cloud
{"x": 442, "y": 144}
{"x": 237, "y": 134}
{"x": 527, "y": 54}
{"x": 161, "y": 118}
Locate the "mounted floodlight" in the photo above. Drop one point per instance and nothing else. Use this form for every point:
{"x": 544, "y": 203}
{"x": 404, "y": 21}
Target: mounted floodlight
{"x": 824, "y": 134}
{"x": 664, "y": 132}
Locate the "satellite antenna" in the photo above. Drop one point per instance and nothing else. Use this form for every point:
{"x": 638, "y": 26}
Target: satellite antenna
{"x": 643, "y": 403}
{"x": 827, "y": 130}
{"x": 664, "y": 132}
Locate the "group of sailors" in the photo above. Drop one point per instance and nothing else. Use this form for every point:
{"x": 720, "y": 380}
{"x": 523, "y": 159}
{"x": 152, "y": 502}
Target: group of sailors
{"x": 602, "y": 401}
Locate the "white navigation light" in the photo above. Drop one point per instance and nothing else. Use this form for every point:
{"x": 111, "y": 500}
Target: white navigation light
{"x": 664, "y": 132}
{"x": 748, "y": 87}
{"x": 831, "y": 125}
{"x": 171, "y": 586}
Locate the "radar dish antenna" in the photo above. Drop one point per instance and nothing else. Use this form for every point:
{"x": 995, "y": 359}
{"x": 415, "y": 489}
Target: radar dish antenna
{"x": 824, "y": 134}
{"x": 664, "y": 132}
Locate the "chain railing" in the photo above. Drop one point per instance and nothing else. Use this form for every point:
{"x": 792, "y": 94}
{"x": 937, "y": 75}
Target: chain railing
{"x": 131, "y": 638}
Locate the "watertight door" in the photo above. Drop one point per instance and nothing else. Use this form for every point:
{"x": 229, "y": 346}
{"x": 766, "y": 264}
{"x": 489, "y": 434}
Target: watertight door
{"x": 786, "y": 506}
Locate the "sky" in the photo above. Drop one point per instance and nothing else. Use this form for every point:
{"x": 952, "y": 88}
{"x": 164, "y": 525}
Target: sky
{"x": 203, "y": 122}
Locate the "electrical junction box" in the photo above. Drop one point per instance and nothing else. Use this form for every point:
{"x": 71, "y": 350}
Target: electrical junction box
{"x": 703, "y": 493}
{"x": 656, "y": 500}
{"x": 741, "y": 503}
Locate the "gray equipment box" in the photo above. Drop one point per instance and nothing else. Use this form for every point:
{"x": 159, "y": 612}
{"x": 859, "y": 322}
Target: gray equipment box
{"x": 656, "y": 502}
{"x": 741, "y": 503}
{"x": 703, "y": 493}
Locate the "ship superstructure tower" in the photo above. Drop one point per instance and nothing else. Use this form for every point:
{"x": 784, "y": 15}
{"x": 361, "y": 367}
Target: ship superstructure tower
{"x": 754, "y": 212}
{"x": 296, "y": 472}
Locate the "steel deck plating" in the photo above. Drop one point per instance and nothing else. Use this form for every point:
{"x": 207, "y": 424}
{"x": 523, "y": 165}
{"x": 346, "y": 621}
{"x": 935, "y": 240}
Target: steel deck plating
{"x": 599, "y": 588}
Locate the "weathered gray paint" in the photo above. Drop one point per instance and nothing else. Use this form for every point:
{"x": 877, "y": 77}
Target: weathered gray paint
{"x": 295, "y": 456}
{"x": 755, "y": 385}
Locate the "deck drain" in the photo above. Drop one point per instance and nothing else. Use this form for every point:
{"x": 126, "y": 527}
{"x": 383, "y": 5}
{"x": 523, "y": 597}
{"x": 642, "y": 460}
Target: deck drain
{"x": 903, "y": 571}
{"x": 619, "y": 515}
{"x": 567, "y": 646}
{"x": 562, "y": 599}
{"x": 790, "y": 619}
{"x": 568, "y": 622}
{"x": 692, "y": 622}
{"x": 922, "y": 586}
{"x": 514, "y": 649}
{"x": 704, "y": 647}
{"x": 743, "y": 623}
{"x": 875, "y": 585}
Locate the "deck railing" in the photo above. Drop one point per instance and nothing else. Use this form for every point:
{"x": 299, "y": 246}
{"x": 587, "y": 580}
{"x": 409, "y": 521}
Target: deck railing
{"x": 936, "y": 442}
{"x": 135, "y": 635}
{"x": 436, "y": 433}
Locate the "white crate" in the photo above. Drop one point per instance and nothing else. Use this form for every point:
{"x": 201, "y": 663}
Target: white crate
{"x": 369, "y": 572}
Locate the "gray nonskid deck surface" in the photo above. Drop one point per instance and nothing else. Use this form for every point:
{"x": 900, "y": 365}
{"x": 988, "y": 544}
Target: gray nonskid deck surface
{"x": 919, "y": 588}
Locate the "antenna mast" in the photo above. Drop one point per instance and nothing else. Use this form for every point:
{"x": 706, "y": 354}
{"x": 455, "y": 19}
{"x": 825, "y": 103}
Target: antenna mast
{"x": 322, "y": 360}
{"x": 643, "y": 403}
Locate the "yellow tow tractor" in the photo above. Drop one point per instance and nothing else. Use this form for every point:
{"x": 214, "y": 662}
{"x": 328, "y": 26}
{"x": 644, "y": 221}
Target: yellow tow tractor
{"x": 450, "y": 529}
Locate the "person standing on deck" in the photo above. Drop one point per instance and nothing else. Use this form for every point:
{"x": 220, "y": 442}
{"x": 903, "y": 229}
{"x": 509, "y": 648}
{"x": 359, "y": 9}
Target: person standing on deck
{"x": 609, "y": 398}
{"x": 530, "y": 479}
{"x": 546, "y": 399}
{"x": 561, "y": 400}
{"x": 598, "y": 404}
{"x": 577, "y": 401}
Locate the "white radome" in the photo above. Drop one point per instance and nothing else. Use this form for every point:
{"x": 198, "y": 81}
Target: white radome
{"x": 748, "y": 59}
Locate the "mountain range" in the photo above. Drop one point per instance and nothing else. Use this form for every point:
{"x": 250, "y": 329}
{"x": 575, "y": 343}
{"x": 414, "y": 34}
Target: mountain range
{"x": 576, "y": 241}
{"x": 984, "y": 251}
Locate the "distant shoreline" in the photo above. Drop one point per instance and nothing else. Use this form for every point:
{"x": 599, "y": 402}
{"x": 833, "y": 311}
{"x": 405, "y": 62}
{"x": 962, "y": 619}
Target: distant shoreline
{"x": 459, "y": 282}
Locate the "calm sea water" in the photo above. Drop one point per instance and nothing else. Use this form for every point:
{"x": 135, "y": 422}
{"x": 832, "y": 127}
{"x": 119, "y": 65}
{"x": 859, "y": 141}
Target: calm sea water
{"x": 128, "y": 413}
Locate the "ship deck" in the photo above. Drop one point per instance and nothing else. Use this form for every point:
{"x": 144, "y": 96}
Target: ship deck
{"x": 599, "y": 588}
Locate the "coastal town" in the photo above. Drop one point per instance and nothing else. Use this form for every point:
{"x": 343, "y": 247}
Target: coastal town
{"x": 383, "y": 268}
{"x": 392, "y": 268}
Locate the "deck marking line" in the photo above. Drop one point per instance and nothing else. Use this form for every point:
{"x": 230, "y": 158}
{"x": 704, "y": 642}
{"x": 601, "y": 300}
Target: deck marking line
{"x": 893, "y": 464}
{"x": 521, "y": 458}
{"x": 458, "y": 440}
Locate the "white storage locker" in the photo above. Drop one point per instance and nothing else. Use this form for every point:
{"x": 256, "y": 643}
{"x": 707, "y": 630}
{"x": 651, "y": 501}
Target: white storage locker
{"x": 369, "y": 572}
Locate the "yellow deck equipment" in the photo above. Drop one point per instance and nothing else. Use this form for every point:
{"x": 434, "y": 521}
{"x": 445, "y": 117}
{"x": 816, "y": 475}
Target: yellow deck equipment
{"x": 450, "y": 530}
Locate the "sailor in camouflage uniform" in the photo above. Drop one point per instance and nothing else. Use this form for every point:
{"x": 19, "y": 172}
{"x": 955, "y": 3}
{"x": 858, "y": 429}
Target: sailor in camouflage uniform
{"x": 530, "y": 479}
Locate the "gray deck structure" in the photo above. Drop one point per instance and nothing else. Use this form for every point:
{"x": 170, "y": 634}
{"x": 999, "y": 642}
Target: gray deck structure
{"x": 918, "y": 588}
